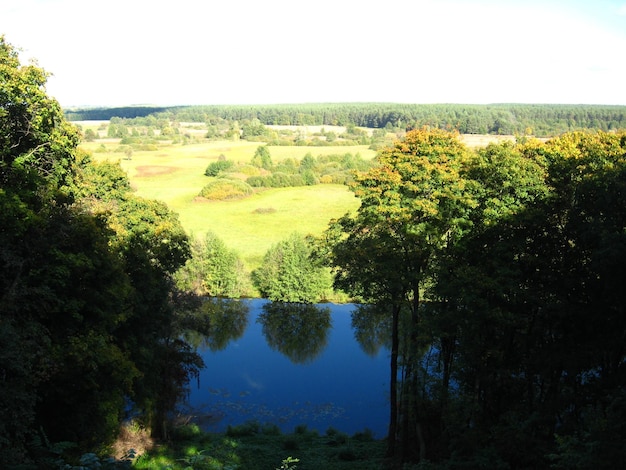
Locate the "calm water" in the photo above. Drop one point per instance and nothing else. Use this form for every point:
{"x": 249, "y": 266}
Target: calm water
{"x": 292, "y": 366}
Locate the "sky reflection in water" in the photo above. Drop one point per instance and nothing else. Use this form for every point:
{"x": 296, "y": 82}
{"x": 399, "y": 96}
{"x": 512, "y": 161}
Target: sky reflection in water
{"x": 290, "y": 367}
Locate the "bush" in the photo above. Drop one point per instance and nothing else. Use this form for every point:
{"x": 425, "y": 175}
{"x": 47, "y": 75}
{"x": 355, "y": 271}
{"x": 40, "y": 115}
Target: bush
{"x": 249, "y": 428}
{"x": 276, "y": 180}
{"x": 364, "y": 436}
{"x": 290, "y": 443}
{"x": 226, "y": 189}
{"x": 270, "y": 430}
{"x": 215, "y": 168}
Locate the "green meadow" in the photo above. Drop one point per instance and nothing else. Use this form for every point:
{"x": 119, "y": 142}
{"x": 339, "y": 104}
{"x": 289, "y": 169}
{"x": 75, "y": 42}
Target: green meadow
{"x": 174, "y": 174}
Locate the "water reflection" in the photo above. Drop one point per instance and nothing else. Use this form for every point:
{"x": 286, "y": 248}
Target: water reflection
{"x": 227, "y": 321}
{"x": 372, "y": 328}
{"x": 284, "y": 364}
{"x": 299, "y": 331}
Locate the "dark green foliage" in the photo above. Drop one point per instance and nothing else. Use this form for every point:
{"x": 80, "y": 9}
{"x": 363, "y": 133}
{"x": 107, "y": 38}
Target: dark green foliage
{"x": 520, "y": 359}
{"x": 249, "y": 428}
{"x": 86, "y": 319}
{"x": 276, "y": 180}
{"x": 215, "y": 168}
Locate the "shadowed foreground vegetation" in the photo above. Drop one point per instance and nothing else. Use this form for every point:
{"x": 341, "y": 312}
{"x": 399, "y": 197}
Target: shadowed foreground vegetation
{"x": 253, "y": 446}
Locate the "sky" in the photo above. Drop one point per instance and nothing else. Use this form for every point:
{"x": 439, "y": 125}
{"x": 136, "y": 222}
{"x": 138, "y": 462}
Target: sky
{"x": 186, "y": 52}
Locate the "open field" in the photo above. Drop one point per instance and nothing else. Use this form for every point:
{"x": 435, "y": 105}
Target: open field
{"x": 174, "y": 174}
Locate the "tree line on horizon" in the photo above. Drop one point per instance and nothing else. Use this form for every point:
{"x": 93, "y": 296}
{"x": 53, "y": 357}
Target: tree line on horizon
{"x": 541, "y": 120}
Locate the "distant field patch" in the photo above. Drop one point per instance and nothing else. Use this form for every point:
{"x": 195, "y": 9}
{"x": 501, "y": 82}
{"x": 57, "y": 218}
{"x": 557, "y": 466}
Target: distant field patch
{"x": 144, "y": 171}
{"x": 482, "y": 140}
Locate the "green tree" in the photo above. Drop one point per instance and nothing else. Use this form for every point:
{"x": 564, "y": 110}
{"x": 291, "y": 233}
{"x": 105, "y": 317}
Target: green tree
{"x": 414, "y": 205}
{"x": 252, "y": 129}
{"x": 214, "y": 270}
{"x": 262, "y": 158}
{"x": 215, "y": 168}
{"x": 540, "y": 338}
{"x": 36, "y": 186}
{"x": 86, "y": 311}
{"x": 291, "y": 273}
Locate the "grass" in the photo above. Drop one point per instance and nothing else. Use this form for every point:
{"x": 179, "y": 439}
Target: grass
{"x": 251, "y": 446}
{"x": 174, "y": 174}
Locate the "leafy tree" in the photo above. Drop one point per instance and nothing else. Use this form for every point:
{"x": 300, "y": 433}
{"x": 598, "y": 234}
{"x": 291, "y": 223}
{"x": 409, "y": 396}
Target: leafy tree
{"x": 36, "y": 186}
{"x": 413, "y": 206}
{"x": 215, "y": 168}
{"x": 262, "y": 158}
{"x": 540, "y": 288}
{"x": 290, "y": 273}
{"x": 213, "y": 270}
{"x": 252, "y": 129}
{"x": 307, "y": 163}
{"x": 86, "y": 314}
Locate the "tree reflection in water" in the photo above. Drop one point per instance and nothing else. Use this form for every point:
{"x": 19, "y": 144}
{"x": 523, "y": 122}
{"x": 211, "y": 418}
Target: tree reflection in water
{"x": 299, "y": 331}
{"x": 226, "y": 321}
{"x": 372, "y": 328}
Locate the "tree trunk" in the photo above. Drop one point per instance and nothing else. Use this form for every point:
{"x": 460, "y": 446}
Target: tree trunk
{"x": 393, "y": 385}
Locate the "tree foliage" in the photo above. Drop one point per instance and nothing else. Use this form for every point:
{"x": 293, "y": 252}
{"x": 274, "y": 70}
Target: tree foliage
{"x": 214, "y": 270}
{"x": 517, "y": 355}
{"x": 542, "y": 120}
{"x": 413, "y": 206}
{"x": 291, "y": 273}
{"x": 86, "y": 304}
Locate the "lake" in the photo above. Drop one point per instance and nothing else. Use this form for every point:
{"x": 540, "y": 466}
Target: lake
{"x": 290, "y": 365}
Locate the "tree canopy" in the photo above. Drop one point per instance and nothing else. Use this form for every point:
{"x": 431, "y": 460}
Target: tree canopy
{"x": 87, "y": 323}
{"x": 514, "y": 354}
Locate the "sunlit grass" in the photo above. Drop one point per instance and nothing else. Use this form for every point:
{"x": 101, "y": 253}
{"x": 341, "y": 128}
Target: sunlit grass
{"x": 174, "y": 174}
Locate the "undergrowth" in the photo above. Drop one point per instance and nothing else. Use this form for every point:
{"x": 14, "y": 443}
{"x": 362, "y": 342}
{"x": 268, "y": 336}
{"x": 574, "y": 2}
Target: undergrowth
{"x": 258, "y": 446}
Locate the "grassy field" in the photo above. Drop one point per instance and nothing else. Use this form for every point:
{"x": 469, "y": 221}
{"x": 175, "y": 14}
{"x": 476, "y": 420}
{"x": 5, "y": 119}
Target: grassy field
{"x": 174, "y": 174}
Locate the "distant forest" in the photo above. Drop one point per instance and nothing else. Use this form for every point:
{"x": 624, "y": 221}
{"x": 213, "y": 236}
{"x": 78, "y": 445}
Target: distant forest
{"x": 541, "y": 120}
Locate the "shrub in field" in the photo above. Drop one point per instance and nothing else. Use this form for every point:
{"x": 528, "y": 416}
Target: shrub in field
{"x": 215, "y": 168}
{"x": 226, "y": 189}
{"x": 276, "y": 180}
{"x": 248, "y": 170}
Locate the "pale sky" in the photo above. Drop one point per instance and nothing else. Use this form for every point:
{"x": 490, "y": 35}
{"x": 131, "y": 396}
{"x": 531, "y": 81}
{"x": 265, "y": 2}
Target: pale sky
{"x": 124, "y": 52}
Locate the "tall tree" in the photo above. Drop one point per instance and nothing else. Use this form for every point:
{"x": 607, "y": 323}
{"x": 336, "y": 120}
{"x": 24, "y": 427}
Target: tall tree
{"x": 413, "y": 205}
{"x": 262, "y": 158}
{"x": 85, "y": 285}
{"x": 541, "y": 343}
{"x": 36, "y": 185}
